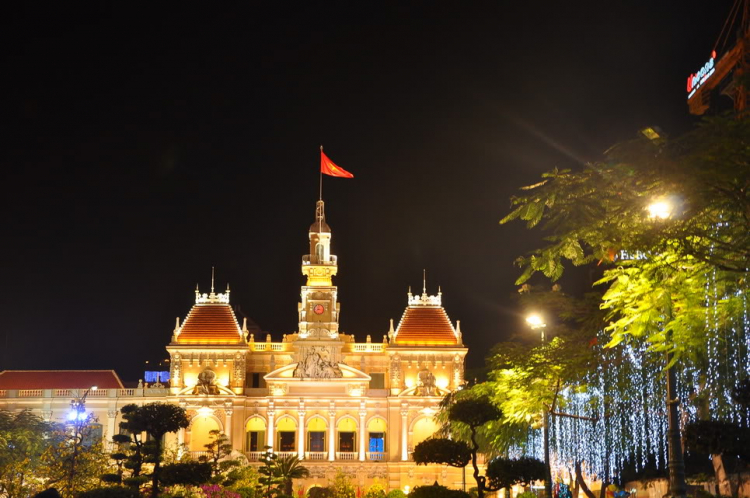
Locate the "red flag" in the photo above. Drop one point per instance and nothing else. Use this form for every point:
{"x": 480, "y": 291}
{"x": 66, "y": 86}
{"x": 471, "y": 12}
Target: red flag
{"x": 327, "y": 167}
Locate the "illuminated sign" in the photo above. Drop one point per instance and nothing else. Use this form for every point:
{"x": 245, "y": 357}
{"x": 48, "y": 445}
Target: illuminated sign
{"x": 695, "y": 80}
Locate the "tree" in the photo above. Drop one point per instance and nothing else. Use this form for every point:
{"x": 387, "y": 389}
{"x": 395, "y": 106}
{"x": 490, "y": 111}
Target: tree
{"x": 471, "y": 413}
{"x": 23, "y": 440}
{"x": 156, "y": 419}
{"x": 441, "y": 450}
{"x": 437, "y": 491}
{"x": 269, "y": 481}
{"x": 289, "y": 468}
{"x": 600, "y": 215}
{"x": 505, "y": 472}
{"x": 718, "y": 439}
{"x": 219, "y": 450}
{"x": 74, "y": 459}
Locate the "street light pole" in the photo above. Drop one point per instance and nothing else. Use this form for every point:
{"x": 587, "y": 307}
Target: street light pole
{"x": 536, "y": 322}
{"x": 662, "y": 210}
{"x": 78, "y": 412}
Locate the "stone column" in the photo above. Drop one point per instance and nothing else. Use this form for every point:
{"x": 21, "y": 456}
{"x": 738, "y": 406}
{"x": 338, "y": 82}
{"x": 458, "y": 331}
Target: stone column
{"x": 111, "y": 425}
{"x": 362, "y": 430}
{"x": 270, "y": 430}
{"x": 404, "y": 433}
{"x": 228, "y": 424}
{"x": 301, "y": 431}
{"x": 331, "y": 434}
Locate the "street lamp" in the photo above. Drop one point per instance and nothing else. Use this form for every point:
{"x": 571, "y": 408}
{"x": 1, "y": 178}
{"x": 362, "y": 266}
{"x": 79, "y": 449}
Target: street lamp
{"x": 536, "y": 322}
{"x": 78, "y": 417}
{"x": 662, "y": 209}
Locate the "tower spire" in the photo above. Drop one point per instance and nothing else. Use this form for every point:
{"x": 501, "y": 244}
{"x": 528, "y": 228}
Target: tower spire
{"x": 212, "y": 279}
{"x": 424, "y": 281}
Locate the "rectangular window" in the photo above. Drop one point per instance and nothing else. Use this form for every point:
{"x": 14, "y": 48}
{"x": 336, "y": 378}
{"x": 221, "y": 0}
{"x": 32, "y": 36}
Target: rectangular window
{"x": 286, "y": 441}
{"x": 377, "y": 442}
{"x": 317, "y": 441}
{"x": 346, "y": 442}
{"x": 256, "y": 380}
{"x": 256, "y": 440}
{"x": 378, "y": 381}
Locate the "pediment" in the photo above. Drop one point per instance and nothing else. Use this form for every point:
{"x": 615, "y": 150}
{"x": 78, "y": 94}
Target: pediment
{"x": 220, "y": 391}
{"x": 286, "y": 374}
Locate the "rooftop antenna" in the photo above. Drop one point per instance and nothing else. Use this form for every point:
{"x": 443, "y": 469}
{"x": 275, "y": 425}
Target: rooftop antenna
{"x": 320, "y": 198}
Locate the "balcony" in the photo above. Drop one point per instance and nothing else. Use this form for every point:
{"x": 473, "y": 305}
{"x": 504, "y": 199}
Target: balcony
{"x": 346, "y": 455}
{"x": 376, "y": 456}
{"x": 332, "y": 262}
{"x": 316, "y": 455}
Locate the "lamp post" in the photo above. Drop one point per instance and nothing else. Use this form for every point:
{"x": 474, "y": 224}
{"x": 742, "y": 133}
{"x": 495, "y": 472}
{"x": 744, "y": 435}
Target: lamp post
{"x": 536, "y": 322}
{"x": 662, "y": 210}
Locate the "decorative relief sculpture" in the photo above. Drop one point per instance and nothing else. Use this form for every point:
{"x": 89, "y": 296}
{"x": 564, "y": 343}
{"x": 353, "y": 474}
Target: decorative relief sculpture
{"x": 239, "y": 370}
{"x": 425, "y": 384}
{"x": 317, "y": 365}
{"x": 206, "y": 382}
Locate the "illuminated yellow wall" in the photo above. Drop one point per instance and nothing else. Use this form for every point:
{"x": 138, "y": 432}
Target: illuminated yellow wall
{"x": 199, "y": 430}
{"x": 347, "y": 425}
{"x": 317, "y": 424}
{"x": 286, "y": 424}
{"x": 376, "y": 425}
{"x": 255, "y": 424}
{"x": 423, "y": 428}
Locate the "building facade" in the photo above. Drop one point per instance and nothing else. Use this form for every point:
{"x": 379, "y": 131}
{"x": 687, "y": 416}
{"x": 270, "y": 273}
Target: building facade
{"x": 318, "y": 394}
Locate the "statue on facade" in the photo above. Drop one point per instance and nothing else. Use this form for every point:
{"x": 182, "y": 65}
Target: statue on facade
{"x": 316, "y": 365}
{"x": 425, "y": 384}
{"x": 206, "y": 382}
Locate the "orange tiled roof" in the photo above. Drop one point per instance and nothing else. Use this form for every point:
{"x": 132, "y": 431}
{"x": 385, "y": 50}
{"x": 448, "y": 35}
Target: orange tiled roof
{"x": 425, "y": 325}
{"x": 59, "y": 379}
{"x": 210, "y": 324}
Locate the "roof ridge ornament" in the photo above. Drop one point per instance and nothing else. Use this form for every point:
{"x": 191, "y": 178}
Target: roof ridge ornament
{"x": 212, "y": 298}
{"x": 425, "y": 299}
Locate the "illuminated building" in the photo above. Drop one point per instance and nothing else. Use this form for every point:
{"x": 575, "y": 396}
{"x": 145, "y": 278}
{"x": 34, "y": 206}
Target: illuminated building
{"x": 336, "y": 403}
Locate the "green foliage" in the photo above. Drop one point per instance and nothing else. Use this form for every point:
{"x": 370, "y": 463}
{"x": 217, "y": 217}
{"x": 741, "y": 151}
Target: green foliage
{"x": 23, "y": 440}
{"x": 73, "y": 459}
{"x": 395, "y": 493}
{"x": 186, "y": 473}
{"x": 443, "y": 451}
{"x": 376, "y": 490}
{"x": 473, "y": 412}
{"x": 506, "y": 472}
{"x": 289, "y": 468}
{"x": 741, "y": 394}
{"x": 342, "y": 486}
{"x": 437, "y": 491}
{"x": 243, "y": 478}
{"x": 654, "y": 287}
{"x": 218, "y": 451}
{"x": 110, "y": 492}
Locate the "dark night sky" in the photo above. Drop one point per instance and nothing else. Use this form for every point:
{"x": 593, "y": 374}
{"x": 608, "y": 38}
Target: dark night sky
{"x": 145, "y": 144}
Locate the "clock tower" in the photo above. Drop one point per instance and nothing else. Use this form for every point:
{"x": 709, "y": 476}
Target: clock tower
{"x": 319, "y": 309}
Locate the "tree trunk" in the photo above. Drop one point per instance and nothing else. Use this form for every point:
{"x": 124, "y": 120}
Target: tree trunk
{"x": 288, "y": 487}
{"x": 157, "y": 467}
{"x": 576, "y": 485}
{"x": 547, "y": 468}
{"x": 582, "y": 483}
{"x": 474, "y": 450}
{"x": 722, "y": 480}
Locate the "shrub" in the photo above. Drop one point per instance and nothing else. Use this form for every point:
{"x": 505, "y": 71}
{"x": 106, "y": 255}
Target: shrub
{"x": 437, "y": 491}
{"x": 395, "y": 493}
{"x": 110, "y": 492}
{"x": 216, "y": 491}
{"x": 188, "y": 474}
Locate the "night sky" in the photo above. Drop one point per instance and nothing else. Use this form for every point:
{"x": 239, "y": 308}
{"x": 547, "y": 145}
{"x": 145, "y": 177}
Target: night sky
{"x": 145, "y": 143}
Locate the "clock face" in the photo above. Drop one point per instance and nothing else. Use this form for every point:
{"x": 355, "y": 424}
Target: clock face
{"x": 318, "y": 309}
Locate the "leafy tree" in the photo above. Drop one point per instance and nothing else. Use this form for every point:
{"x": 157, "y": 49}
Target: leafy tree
{"x": 110, "y": 492}
{"x": 395, "y": 493}
{"x": 73, "y": 460}
{"x": 342, "y": 486}
{"x": 441, "y": 450}
{"x": 716, "y": 438}
{"x": 595, "y": 214}
{"x": 471, "y": 413}
{"x": 504, "y": 473}
{"x": 270, "y": 482}
{"x": 23, "y": 440}
{"x": 289, "y": 468}
{"x": 376, "y": 490}
{"x": 219, "y": 450}
{"x": 156, "y": 419}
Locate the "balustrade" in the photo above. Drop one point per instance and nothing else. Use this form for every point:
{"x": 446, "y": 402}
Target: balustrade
{"x": 376, "y": 456}
{"x": 316, "y": 455}
{"x": 346, "y": 455}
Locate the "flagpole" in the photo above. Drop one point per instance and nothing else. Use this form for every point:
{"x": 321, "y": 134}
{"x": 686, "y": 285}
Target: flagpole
{"x": 321, "y": 176}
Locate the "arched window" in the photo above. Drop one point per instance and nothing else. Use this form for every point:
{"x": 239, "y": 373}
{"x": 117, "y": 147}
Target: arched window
{"x": 286, "y": 434}
{"x": 320, "y": 252}
{"x": 347, "y": 429}
{"x": 255, "y": 434}
{"x": 199, "y": 432}
{"x": 316, "y": 435}
{"x": 376, "y": 435}
{"x": 423, "y": 428}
